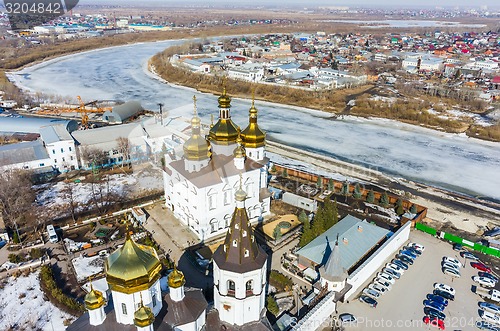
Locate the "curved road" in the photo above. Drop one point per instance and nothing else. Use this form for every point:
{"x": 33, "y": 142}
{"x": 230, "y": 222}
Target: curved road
{"x": 446, "y": 160}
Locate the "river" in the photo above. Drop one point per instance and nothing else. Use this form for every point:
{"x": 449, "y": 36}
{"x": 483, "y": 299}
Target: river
{"x": 450, "y": 161}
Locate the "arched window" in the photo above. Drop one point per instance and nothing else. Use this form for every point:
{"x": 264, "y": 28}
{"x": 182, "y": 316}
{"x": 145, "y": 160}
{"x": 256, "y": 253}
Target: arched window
{"x": 213, "y": 225}
{"x": 249, "y": 287}
{"x": 230, "y": 288}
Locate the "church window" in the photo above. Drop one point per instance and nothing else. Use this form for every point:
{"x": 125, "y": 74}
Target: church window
{"x": 249, "y": 286}
{"x": 154, "y": 300}
{"x": 230, "y": 285}
{"x": 211, "y": 202}
{"x": 235, "y": 243}
{"x": 227, "y": 197}
{"x": 258, "y": 155}
{"x": 124, "y": 309}
{"x": 213, "y": 225}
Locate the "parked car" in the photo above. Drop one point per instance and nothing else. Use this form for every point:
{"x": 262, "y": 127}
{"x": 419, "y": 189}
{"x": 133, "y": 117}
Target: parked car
{"x": 392, "y": 272}
{"x": 395, "y": 267}
{"x": 405, "y": 259}
{"x": 434, "y": 304}
{"x": 388, "y": 278}
{"x": 378, "y": 287}
{"x": 383, "y": 283}
{"x": 437, "y": 298}
{"x": 445, "y": 295}
{"x": 450, "y": 265}
{"x": 434, "y": 313}
{"x": 369, "y": 301}
{"x": 468, "y": 255}
{"x": 418, "y": 247}
{"x": 488, "y": 275}
{"x": 347, "y": 318}
{"x": 372, "y": 293}
{"x": 444, "y": 287}
{"x": 490, "y": 307}
{"x": 452, "y": 260}
{"x": 483, "y": 325}
{"x": 408, "y": 253}
{"x": 489, "y": 317}
{"x": 436, "y": 322}
{"x": 2, "y": 243}
{"x": 457, "y": 247}
{"x": 451, "y": 272}
{"x": 484, "y": 281}
{"x": 480, "y": 266}
{"x": 400, "y": 264}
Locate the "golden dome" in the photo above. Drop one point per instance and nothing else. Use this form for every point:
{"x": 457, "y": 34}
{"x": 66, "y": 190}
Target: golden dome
{"x": 93, "y": 299}
{"x": 176, "y": 278}
{"x": 240, "y": 150}
{"x": 253, "y": 136}
{"x": 196, "y": 148}
{"x": 132, "y": 268}
{"x": 240, "y": 195}
{"x": 143, "y": 316}
{"x": 224, "y": 100}
{"x": 224, "y": 131}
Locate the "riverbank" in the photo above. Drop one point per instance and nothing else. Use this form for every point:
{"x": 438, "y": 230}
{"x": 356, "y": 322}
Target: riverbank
{"x": 445, "y": 207}
{"x": 367, "y": 102}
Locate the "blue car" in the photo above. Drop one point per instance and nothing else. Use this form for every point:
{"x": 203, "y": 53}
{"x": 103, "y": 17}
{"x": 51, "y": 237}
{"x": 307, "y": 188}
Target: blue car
{"x": 405, "y": 259}
{"x": 413, "y": 250}
{"x": 408, "y": 253}
{"x": 434, "y": 313}
{"x": 400, "y": 264}
{"x": 438, "y": 299}
{"x": 434, "y": 304}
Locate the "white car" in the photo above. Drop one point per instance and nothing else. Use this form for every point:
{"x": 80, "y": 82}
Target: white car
{"x": 490, "y": 317}
{"x": 395, "y": 267}
{"x": 383, "y": 282}
{"x": 417, "y": 247}
{"x": 444, "y": 287}
{"x": 452, "y": 260}
{"x": 386, "y": 277}
{"x": 453, "y": 272}
{"x": 371, "y": 292}
{"x": 378, "y": 287}
{"x": 484, "y": 281}
{"x": 450, "y": 266}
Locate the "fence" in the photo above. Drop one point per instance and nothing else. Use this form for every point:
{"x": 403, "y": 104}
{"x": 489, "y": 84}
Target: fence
{"x": 456, "y": 239}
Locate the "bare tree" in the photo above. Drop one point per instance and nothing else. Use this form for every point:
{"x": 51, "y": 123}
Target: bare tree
{"x": 16, "y": 197}
{"x": 124, "y": 149}
{"x": 94, "y": 157}
{"x": 69, "y": 195}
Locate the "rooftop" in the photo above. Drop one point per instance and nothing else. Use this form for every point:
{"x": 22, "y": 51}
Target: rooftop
{"x": 54, "y": 133}
{"x": 356, "y": 238}
{"x": 22, "y": 152}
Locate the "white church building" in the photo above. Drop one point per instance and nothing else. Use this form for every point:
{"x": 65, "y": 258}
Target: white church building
{"x": 200, "y": 184}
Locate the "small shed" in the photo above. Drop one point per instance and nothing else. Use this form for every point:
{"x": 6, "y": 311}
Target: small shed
{"x": 139, "y": 215}
{"x": 121, "y": 113}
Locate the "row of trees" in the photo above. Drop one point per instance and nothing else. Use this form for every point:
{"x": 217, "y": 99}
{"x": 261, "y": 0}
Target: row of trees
{"x": 326, "y": 216}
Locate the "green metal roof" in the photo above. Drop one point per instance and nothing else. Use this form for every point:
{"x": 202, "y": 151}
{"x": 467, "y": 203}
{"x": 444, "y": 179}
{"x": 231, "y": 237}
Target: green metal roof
{"x": 356, "y": 238}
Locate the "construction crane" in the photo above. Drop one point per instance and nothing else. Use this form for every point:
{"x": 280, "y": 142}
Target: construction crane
{"x": 94, "y": 109}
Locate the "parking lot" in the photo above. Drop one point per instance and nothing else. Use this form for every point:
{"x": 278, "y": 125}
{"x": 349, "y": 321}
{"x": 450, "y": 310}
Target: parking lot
{"x": 402, "y": 307}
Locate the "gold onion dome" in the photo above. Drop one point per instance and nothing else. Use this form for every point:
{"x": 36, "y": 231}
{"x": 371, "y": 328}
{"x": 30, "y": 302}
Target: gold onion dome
{"x": 224, "y": 100}
{"x": 253, "y": 136}
{"x": 93, "y": 299}
{"x": 196, "y": 148}
{"x": 132, "y": 268}
{"x": 239, "y": 151}
{"x": 176, "y": 278}
{"x": 224, "y": 131}
{"x": 143, "y": 316}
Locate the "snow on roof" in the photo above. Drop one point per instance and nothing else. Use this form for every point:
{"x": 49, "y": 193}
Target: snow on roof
{"x": 54, "y": 133}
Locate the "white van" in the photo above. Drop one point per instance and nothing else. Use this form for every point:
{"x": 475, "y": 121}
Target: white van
{"x": 52, "y": 234}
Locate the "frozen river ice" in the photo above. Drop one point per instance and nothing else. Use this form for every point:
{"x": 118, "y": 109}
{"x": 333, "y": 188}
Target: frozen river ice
{"x": 446, "y": 160}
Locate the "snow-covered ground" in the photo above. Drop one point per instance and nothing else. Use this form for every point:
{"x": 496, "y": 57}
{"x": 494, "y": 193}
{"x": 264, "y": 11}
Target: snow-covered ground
{"x": 452, "y": 161}
{"x": 87, "y": 266}
{"x": 22, "y": 304}
{"x": 53, "y": 196}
